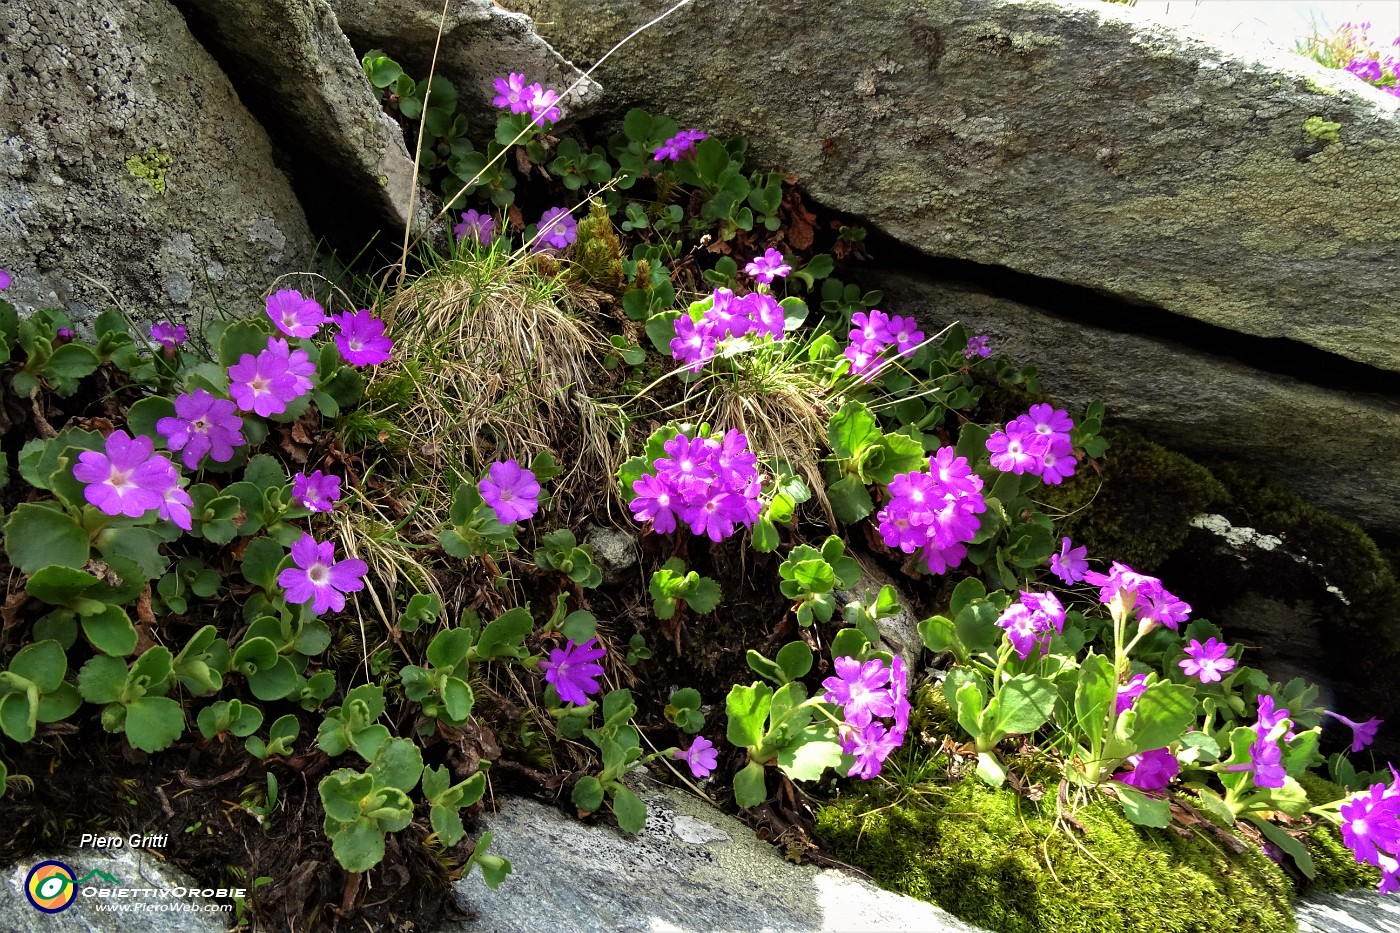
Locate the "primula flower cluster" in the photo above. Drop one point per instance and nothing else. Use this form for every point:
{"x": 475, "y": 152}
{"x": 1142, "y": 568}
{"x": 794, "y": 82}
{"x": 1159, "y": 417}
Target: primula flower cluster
{"x": 1037, "y": 443}
{"x": 129, "y": 478}
{"x": 1032, "y": 622}
{"x": 707, "y": 484}
{"x": 1150, "y": 771}
{"x": 875, "y": 332}
{"x": 678, "y": 147}
{"x": 513, "y": 94}
{"x": 1371, "y": 829}
{"x": 754, "y": 315}
{"x": 1367, "y": 62}
{"x": 977, "y": 347}
{"x": 1265, "y": 753}
{"x": 935, "y": 511}
{"x": 867, "y": 693}
{"x": 1132, "y": 590}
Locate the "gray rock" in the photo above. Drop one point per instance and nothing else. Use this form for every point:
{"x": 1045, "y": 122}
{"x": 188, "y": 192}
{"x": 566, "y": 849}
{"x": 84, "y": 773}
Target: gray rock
{"x": 1352, "y": 912}
{"x": 691, "y": 869}
{"x": 480, "y": 42}
{"x": 1335, "y": 449}
{"x": 1074, "y": 140}
{"x": 131, "y": 174}
{"x": 615, "y": 551}
{"x": 310, "y": 90}
{"x": 900, "y": 632}
{"x": 140, "y": 873}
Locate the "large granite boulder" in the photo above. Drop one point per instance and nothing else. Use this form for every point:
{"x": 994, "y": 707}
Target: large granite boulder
{"x": 1074, "y": 140}
{"x": 692, "y": 868}
{"x": 131, "y": 174}
{"x": 1334, "y": 448}
{"x": 480, "y": 42}
{"x": 305, "y": 83}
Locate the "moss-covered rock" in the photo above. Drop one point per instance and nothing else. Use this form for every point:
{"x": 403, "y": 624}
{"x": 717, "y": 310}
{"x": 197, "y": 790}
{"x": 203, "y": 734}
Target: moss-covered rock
{"x": 998, "y": 860}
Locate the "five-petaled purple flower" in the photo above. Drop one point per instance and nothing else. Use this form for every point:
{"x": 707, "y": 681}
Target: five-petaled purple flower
{"x": 169, "y": 335}
{"x": 1071, "y": 564}
{"x": 512, "y": 93}
{"x": 679, "y": 146}
{"x": 557, "y": 229}
{"x": 319, "y": 578}
{"x": 317, "y": 492}
{"x": 475, "y": 226}
{"x": 977, "y": 346}
{"x": 129, "y": 478}
{"x": 294, "y": 314}
{"x": 768, "y": 266}
{"x": 862, "y": 690}
{"x": 701, "y": 756}
{"x": 543, "y": 103}
{"x": 1362, "y": 733}
{"x": 202, "y": 425}
{"x": 361, "y": 339}
{"x": 511, "y": 491}
{"x": 1371, "y": 829}
{"x": 1207, "y": 662}
{"x": 272, "y": 380}
{"x": 574, "y": 671}
{"x": 1151, "y": 771}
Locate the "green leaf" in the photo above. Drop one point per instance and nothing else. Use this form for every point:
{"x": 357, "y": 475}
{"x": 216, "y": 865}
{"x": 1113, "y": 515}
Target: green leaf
{"x": 764, "y": 667}
{"x": 275, "y": 682}
{"x": 110, "y": 631}
{"x": 154, "y": 723}
{"x": 142, "y": 416}
{"x": 750, "y": 788}
{"x": 141, "y": 546}
{"x": 1142, "y": 809}
{"x": 1093, "y": 698}
{"x": 101, "y": 679}
{"x": 587, "y": 795}
{"x": 505, "y": 637}
{"x": 45, "y": 662}
{"x": 937, "y": 633}
{"x": 1161, "y": 714}
{"x": 238, "y": 339}
{"x": 795, "y": 659}
{"x": 447, "y": 823}
{"x": 58, "y": 586}
{"x": 399, "y": 764}
{"x": 850, "y": 499}
{"x": 19, "y": 711}
{"x": 359, "y": 846}
{"x": 808, "y": 757}
{"x": 260, "y": 560}
{"x": 990, "y": 770}
{"x": 765, "y": 536}
{"x": 38, "y": 536}
{"x": 852, "y": 430}
{"x": 1022, "y": 705}
{"x": 1287, "y": 843}
{"x": 747, "y": 708}
{"x": 630, "y": 811}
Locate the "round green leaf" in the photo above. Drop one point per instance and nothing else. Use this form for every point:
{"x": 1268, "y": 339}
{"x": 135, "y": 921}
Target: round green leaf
{"x": 153, "y": 723}
{"x": 37, "y": 536}
{"x": 111, "y": 632}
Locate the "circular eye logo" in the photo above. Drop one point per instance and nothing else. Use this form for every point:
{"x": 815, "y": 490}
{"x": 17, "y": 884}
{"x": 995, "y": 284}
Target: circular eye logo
{"x": 51, "y": 887}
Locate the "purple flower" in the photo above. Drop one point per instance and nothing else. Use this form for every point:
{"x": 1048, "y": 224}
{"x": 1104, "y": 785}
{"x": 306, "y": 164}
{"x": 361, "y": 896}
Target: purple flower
{"x": 1207, "y": 662}
{"x": 679, "y": 146}
{"x": 1047, "y": 420}
{"x": 934, "y": 511}
{"x": 1269, "y": 715}
{"x": 361, "y": 339}
{"x": 1365, "y": 69}
{"x": 1071, "y": 564}
{"x": 715, "y": 516}
{"x": 169, "y": 335}
{"x": 977, "y": 346}
{"x": 1017, "y": 451}
{"x": 768, "y": 266}
{"x": 1152, "y": 771}
{"x": 266, "y": 384}
{"x": 905, "y": 333}
{"x": 474, "y": 226}
{"x": 1362, "y": 733}
{"x": 511, "y": 94}
{"x": 1030, "y": 623}
{"x": 128, "y": 479}
{"x": 1371, "y": 828}
{"x": 317, "y": 492}
{"x": 701, "y": 756}
{"x": 861, "y": 690}
{"x": 542, "y": 104}
{"x": 870, "y": 745}
{"x": 1266, "y": 761}
{"x": 557, "y": 229}
{"x": 175, "y": 505}
{"x": 694, "y": 342}
{"x": 1057, "y": 463}
{"x": 655, "y": 502}
{"x": 4, "y": 280}
{"x": 1129, "y": 590}
{"x": 298, "y": 362}
{"x": 871, "y": 328}
{"x": 64, "y": 333}
{"x": 865, "y": 359}
{"x": 202, "y": 425}
{"x": 319, "y": 578}
{"x": 573, "y": 670}
{"x": 510, "y": 490}
{"x": 1128, "y": 693}
{"x": 294, "y": 314}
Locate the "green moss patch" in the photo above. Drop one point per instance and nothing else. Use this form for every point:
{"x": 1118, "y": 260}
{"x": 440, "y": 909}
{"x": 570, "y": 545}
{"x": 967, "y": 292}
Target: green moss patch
{"x": 996, "y": 859}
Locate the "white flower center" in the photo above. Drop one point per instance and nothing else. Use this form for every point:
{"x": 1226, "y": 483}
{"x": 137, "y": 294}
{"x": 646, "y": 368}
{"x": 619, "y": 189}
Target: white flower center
{"x": 318, "y": 574}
